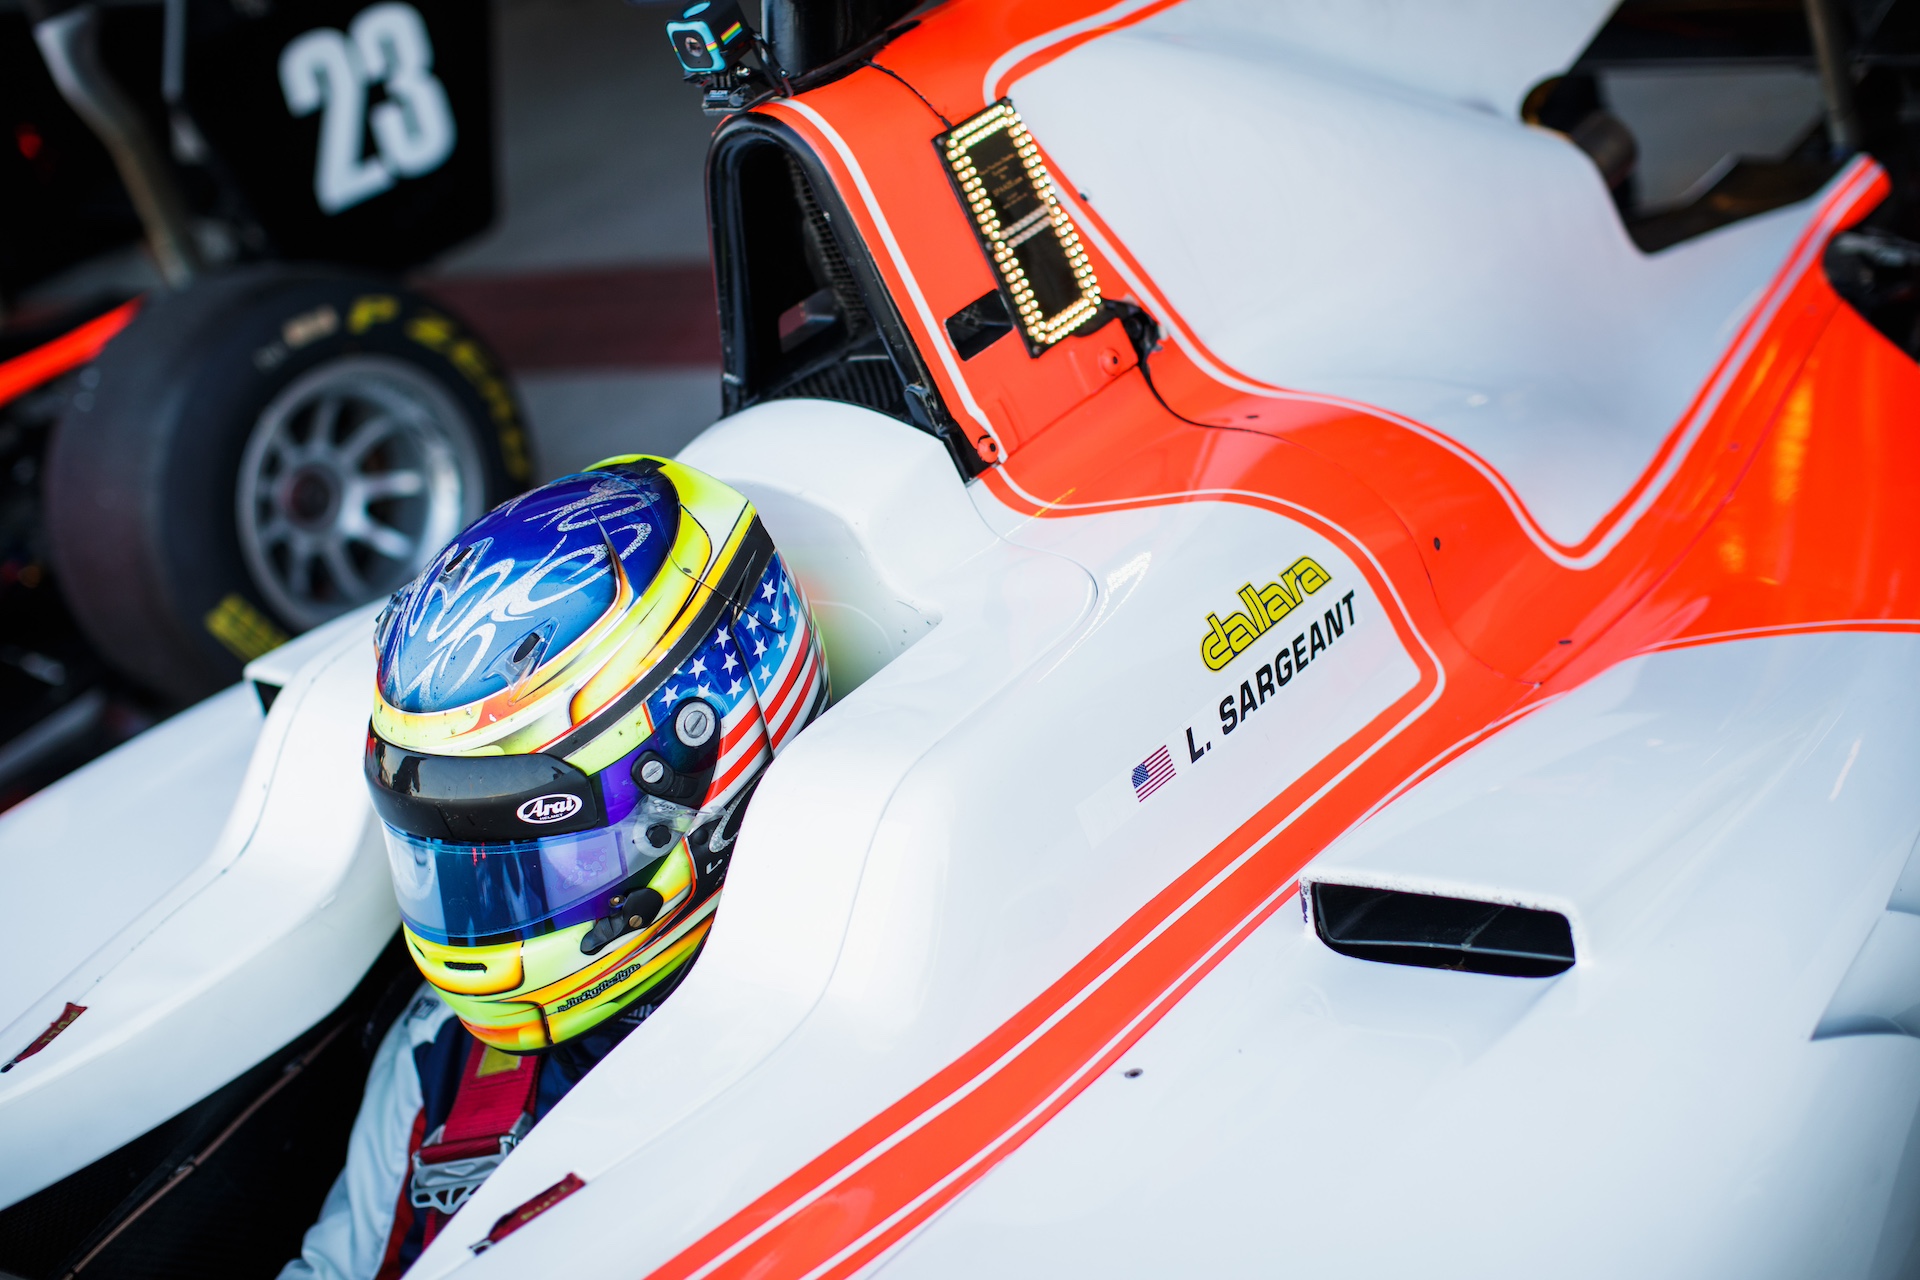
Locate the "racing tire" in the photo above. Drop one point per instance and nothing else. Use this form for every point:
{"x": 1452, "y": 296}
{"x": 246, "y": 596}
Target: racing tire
{"x": 263, "y": 451}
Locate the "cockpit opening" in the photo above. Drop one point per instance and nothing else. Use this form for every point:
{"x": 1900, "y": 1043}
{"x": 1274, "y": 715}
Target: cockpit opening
{"x": 803, "y": 313}
{"x": 1697, "y": 113}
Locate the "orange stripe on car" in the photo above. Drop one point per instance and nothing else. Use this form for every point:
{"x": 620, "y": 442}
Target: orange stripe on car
{"x": 1659, "y": 572}
{"x": 64, "y": 354}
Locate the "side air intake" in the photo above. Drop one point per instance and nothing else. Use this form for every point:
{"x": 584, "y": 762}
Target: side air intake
{"x": 1441, "y": 933}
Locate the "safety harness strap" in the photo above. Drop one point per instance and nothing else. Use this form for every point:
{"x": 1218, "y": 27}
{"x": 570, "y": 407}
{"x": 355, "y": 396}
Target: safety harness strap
{"x": 496, "y": 1093}
{"x": 492, "y": 1110}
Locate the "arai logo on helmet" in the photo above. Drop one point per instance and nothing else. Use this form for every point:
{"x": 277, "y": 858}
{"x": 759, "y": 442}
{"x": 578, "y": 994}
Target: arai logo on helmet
{"x": 545, "y": 809}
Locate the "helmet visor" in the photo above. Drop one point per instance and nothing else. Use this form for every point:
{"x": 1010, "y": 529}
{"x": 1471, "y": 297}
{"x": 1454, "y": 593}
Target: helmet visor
{"x": 476, "y": 893}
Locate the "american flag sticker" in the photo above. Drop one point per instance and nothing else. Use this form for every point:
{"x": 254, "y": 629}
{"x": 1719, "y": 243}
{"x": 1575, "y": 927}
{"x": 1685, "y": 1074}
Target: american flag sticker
{"x": 1117, "y": 801}
{"x": 1152, "y": 773}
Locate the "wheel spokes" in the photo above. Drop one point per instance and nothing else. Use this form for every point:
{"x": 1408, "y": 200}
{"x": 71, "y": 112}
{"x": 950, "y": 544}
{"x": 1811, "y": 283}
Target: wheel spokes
{"x": 321, "y": 424}
{"x": 301, "y": 553}
{"x": 385, "y": 539}
{"x": 341, "y": 442}
{"x": 390, "y": 484}
{"x": 345, "y": 576}
{"x": 365, "y": 437}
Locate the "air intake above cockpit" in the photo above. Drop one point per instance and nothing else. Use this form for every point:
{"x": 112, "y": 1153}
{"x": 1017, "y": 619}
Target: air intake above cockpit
{"x": 1433, "y": 932}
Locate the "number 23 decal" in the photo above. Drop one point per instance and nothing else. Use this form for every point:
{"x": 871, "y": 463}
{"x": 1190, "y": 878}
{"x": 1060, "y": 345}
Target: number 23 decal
{"x": 413, "y": 130}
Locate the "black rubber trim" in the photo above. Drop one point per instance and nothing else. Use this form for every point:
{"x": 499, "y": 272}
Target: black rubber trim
{"x": 479, "y": 799}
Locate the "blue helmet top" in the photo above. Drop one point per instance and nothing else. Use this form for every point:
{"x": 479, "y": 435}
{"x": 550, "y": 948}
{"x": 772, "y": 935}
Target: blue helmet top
{"x": 521, "y": 583}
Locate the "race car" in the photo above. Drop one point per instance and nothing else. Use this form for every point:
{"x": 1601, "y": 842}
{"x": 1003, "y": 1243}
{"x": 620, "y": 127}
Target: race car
{"x": 1373, "y": 617}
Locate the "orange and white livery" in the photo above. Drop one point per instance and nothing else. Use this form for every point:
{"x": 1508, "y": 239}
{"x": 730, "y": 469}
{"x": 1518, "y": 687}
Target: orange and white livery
{"x": 1435, "y": 544}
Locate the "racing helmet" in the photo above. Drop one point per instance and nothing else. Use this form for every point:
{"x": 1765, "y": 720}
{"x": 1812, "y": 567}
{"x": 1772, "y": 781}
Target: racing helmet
{"x": 575, "y": 700}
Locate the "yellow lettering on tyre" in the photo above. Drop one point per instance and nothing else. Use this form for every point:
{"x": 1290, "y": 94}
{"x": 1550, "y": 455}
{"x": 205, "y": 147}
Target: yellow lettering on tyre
{"x": 434, "y": 332}
{"x": 244, "y": 630}
{"x": 440, "y": 335}
{"x": 372, "y": 309}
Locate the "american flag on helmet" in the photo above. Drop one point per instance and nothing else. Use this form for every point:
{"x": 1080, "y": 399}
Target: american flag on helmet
{"x": 774, "y": 630}
{"x": 762, "y": 671}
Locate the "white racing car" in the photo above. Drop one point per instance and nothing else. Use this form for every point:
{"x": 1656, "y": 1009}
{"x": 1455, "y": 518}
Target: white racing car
{"x": 1369, "y": 557}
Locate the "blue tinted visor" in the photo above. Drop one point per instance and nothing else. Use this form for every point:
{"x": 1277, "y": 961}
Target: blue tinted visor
{"x": 471, "y": 894}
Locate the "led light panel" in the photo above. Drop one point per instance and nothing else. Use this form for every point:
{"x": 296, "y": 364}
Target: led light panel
{"x": 996, "y": 168}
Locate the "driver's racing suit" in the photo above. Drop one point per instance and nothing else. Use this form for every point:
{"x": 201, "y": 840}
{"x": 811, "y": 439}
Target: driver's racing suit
{"x": 386, "y": 1205}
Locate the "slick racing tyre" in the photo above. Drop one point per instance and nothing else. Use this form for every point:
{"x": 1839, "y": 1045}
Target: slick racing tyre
{"x": 261, "y": 452}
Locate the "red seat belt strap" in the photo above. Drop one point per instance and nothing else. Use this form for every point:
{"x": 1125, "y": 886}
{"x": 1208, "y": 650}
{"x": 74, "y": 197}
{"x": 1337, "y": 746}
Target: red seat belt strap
{"x": 496, "y": 1093}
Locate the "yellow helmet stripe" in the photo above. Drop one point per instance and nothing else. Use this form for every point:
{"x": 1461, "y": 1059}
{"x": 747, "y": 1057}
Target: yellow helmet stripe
{"x": 706, "y": 609}
{"x": 648, "y": 951}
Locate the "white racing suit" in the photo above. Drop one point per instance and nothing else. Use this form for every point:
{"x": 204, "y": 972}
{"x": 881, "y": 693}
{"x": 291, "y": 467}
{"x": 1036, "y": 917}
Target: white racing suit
{"x": 399, "y": 1185}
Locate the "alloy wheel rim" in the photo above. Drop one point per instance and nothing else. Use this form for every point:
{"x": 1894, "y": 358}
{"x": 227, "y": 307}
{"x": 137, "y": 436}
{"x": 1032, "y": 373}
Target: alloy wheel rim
{"x": 353, "y": 476}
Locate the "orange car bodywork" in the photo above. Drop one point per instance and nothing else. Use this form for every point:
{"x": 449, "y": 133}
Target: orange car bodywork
{"x": 1780, "y": 503}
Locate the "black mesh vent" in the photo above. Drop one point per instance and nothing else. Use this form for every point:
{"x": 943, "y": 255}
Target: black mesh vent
{"x": 826, "y": 257}
{"x": 804, "y": 313}
{"x": 871, "y": 383}
{"x": 1432, "y": 932}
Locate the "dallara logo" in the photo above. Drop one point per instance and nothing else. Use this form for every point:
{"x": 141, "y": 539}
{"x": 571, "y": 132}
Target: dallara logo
{"x": 543, "y": 809}
{"x": 1227, "y": 637}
